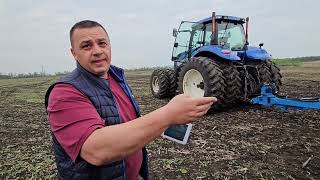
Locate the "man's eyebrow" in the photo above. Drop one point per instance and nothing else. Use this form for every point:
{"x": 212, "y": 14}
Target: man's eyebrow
{"x": 85, "y": 42}
{"x": 103, "y": 39}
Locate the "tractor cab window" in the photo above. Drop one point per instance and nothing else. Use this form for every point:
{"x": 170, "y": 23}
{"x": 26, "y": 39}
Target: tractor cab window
{"x": 231, "y": 35}
{"x": 197, "y": 37}
{"x": 182, "y": 42}
{"x": 208, "y": 34}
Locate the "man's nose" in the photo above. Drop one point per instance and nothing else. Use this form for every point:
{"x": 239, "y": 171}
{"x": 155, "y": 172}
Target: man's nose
{"x": 97, "y": 50}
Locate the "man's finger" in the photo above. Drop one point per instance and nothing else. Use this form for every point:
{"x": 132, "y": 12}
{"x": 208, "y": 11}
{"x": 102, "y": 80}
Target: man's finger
{"x": 206, "y": 100}
{"x": 204, "y": 107}
{"x": 199, "y": 114}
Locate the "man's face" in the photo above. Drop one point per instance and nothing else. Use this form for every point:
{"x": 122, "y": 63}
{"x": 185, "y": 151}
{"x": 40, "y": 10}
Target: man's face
{"x": 91, "y": 48}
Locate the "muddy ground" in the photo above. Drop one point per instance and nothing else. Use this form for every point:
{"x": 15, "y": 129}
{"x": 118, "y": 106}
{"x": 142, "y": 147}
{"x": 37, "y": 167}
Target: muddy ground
{"x": 245, "y": 142}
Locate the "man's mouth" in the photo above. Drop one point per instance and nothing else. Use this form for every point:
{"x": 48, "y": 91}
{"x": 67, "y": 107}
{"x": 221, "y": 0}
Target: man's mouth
{"x": 98, "y": 61}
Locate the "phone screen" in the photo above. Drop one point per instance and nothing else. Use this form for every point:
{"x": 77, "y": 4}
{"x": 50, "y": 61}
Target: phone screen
{"x": 177, "y": 131}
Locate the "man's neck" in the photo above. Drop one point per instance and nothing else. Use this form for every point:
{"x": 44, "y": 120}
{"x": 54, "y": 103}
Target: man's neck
{"x": 105, "y": 76}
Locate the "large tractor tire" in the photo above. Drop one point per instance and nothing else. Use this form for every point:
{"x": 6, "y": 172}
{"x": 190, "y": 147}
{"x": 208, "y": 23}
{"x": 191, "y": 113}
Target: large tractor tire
{"x": 264, "y": 76}
{"x": 201, "y": 77}
{"x": 233, "y": 90}
{"x": 264, "y": 73}
{"x": 159, "y": 83}
{"x": 172, "y": 79}
{"x": 275, "y": 76}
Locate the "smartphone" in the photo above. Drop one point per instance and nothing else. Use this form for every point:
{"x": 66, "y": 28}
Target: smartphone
{"x": 178, "y": 133}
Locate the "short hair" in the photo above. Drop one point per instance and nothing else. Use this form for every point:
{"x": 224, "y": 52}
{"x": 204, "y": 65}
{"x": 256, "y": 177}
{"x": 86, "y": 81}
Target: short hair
{"x": 84, "y": 24}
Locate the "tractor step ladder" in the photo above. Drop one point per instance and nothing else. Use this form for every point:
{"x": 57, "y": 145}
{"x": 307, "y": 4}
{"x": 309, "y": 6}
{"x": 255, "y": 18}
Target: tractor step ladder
{"x": 268, "y": 99}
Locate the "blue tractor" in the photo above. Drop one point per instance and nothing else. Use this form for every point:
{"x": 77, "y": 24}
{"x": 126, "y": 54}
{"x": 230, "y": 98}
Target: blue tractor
{"x": 212, "y": 57}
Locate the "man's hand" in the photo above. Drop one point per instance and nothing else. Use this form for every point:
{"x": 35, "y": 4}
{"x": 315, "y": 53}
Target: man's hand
{"x": 183, "y": 109}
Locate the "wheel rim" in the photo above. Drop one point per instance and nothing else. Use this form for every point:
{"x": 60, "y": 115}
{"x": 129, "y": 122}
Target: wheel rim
{"x": 155, "y": 84}
{"x": 193, "y": 83}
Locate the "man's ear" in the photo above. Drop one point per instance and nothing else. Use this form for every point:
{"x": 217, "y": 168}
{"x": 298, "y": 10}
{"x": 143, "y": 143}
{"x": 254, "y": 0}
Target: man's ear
{"x": 73, "y": 54}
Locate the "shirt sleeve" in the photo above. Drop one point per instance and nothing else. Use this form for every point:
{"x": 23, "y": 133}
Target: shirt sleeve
{"x": 72, "y": 118}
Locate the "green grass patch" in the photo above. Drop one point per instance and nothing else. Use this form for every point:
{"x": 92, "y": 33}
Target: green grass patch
{"x": 288, "y": 62}
{"x": 297, "y": 61}
{"x": 29, "y": 97}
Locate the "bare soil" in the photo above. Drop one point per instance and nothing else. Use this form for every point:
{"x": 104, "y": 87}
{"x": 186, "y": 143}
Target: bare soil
{"x": 244, "y": 142}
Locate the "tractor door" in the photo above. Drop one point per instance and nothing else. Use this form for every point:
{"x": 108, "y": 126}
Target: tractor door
{"x": 208, "y": 34}
{"x": 182, "y": 42}
{"x": 197, "y": 38}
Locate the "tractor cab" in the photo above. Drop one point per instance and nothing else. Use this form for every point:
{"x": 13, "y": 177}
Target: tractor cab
{"x": 226, "y": 34}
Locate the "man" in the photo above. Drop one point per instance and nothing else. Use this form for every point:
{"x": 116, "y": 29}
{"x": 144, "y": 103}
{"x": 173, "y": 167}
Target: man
{"x": 96, "y": 126}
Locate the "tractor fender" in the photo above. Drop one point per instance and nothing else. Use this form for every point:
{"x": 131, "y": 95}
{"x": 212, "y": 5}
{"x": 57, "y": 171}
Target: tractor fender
{"x": 218, "y": 51}
{"x": 254, "y": 53}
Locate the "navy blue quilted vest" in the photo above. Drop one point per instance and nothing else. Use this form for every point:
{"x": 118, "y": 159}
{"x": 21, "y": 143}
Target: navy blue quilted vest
{"x": 99, "y": 93}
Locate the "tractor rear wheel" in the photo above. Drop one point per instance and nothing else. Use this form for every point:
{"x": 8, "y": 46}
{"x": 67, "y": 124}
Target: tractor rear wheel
{"x": 201, "y": 76}
{"x": 159, "y": 83}
{"x": 264, "y": 76}
{"x": 233, "y": 83}
{"x": 264, "y": 73}
{"x": 275, "y": 76}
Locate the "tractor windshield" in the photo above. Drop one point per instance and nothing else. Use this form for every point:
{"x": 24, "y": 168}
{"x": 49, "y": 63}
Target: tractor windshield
{"x": 231, "y": 35}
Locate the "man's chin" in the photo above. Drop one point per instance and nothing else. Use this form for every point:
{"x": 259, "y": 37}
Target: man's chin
{"x": 101, "y": 73}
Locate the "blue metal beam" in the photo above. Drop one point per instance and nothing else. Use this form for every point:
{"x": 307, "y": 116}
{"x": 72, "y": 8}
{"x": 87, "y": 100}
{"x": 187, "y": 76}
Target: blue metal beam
{"x": 268, "y": 99}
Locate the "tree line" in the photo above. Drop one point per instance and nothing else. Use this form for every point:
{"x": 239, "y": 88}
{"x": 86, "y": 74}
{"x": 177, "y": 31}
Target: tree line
{"x": 30, "y": 75}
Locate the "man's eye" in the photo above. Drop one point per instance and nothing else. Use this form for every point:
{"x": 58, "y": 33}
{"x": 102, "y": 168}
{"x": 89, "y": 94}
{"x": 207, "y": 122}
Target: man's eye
{"x": 103, "y": 44}
{"x": 85, "y": 46}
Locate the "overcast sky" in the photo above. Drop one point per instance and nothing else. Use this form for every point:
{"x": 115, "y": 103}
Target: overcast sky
{"x": 34, "y": 33}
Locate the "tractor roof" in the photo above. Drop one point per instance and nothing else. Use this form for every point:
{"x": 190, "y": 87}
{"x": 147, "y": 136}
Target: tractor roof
{"x": 218, "y": 17}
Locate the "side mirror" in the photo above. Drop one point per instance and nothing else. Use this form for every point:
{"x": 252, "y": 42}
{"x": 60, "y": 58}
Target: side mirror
{"x": 175, "y": 44}
{"x": 175, "y": 32}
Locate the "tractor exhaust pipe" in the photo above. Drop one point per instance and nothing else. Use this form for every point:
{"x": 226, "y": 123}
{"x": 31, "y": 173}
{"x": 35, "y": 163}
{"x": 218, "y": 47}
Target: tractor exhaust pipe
{"x": 214, "y": 35}
{"x": 247, "y": 32}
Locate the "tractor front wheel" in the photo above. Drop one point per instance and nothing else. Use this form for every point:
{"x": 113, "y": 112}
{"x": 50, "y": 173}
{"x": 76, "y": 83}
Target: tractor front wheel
{"x": 159, "y": 84}
{"x": 172, "y": 80}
